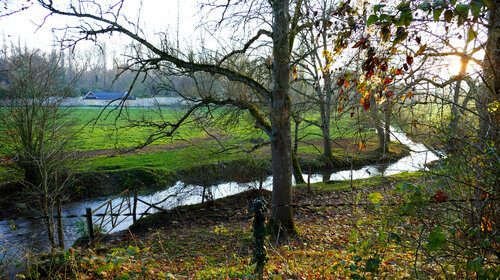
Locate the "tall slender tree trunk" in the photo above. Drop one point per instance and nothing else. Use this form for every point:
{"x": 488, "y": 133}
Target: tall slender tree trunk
{"x": 383, "y": 145}
{"x": 281, "y": 140}
{"x": 297, "y": 171}
{"x": 387, "y": 126}
{"x": 453, "y": 125}
{"x": 325, "y": 113}
{"x": 326, "y": 104}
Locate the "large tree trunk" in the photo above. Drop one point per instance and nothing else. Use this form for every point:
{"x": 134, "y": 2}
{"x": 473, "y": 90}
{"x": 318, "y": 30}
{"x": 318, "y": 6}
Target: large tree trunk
{"x": 489, "y": 131}
{"x": 491, "y": 118}
{"x": 281, "y": 140}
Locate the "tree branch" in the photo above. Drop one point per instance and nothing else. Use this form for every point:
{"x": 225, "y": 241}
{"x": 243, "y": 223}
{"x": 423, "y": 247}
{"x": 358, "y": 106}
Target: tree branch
{"x": 161, "y": 55}
{"x": 247, "y": 45}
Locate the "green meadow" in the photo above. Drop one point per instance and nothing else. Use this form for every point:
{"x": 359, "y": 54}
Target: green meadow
{"x": 227, "y": 136}
{"x": 191, "y": 144}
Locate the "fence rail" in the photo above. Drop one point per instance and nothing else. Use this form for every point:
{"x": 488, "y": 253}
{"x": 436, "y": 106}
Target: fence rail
{"x": 305, "y": 205}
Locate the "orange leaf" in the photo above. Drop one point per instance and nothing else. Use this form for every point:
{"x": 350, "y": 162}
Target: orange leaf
{"x": 366, "y": 102}
{"x": 294, "y": 70}
{"x": 410, "y": 94}
{"x": 383, "y": 67}
{"x": 362, "y": 145}
{"x": 387, "y": 81}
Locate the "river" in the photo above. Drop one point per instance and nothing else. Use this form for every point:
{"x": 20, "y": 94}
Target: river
{"x": 29, "y": 235}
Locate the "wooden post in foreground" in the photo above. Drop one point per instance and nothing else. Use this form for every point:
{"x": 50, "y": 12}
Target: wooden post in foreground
{"x": 309, "y": 179}
{"x": 60, "y": 232}
{"x": 261, "y": 182}
{"x": 90, "y": 226}
{"x": 134, "y": 210}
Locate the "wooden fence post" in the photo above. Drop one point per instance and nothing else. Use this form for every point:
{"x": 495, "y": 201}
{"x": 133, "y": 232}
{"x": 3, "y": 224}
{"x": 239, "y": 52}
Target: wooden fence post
{"x": 90, "y": 226}
{"x": 134, "y": 210}
{"x": 60, "y": 232}
{"x": 261, "y": 182}
{"x": 260, "y": 258}
{"x": 309, "y": 179}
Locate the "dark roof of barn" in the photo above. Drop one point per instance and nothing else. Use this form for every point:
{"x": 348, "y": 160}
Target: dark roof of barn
{"x": 107, "y": 95}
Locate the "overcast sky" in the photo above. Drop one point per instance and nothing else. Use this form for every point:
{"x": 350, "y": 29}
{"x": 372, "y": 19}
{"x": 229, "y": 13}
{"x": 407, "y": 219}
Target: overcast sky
{"x": 157, "y": 16}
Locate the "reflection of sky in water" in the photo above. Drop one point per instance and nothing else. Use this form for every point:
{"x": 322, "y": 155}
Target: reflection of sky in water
{"x": 31, "y": 233}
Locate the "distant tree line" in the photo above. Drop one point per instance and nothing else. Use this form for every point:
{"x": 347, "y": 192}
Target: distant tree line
{"x": 91, "y": 70}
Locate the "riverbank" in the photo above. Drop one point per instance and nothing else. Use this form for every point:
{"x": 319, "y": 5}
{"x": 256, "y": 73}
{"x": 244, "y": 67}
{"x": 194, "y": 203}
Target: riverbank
{"x": 214, "y": 240}
{"x": 101, "y": 183}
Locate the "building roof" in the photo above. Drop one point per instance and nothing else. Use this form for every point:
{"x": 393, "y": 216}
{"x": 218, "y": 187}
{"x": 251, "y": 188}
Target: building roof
{"x": 107, "y": 95}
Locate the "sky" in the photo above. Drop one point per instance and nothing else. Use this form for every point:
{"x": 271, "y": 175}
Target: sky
{"x": 26, "y": 27}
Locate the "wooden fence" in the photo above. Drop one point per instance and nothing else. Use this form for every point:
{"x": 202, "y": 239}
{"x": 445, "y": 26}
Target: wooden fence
{"x": 116, "y": 210}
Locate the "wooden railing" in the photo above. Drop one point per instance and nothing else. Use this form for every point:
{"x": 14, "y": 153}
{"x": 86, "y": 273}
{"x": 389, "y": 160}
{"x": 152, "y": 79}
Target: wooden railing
{"x": 110, "y": 218}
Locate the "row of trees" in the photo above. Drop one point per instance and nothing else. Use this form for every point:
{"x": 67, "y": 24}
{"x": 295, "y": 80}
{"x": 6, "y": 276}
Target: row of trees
{"x": 91, "y": 69}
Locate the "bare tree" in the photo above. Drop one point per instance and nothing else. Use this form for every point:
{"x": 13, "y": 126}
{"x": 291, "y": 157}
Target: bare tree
{"x": 35, "y": 131}
{"x": 98, "y": 19}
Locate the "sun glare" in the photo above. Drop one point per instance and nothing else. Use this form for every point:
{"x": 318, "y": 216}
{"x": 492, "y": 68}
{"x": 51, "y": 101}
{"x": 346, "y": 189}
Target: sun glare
{"x": 453, "y": 65}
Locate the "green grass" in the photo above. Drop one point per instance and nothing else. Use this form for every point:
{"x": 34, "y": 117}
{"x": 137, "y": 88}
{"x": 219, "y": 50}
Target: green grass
{"x": 101, "y": 129}
{"x": 175, "y": 159}
{"x": 105, "y": 131}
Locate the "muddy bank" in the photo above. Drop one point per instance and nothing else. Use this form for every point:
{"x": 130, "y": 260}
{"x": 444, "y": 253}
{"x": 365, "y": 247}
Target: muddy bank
{"x": 222, "y": 209}
{"x": 15, "y": 200}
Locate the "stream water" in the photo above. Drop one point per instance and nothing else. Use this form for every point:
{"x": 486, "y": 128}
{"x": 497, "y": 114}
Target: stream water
{"x": 29, "y": 235}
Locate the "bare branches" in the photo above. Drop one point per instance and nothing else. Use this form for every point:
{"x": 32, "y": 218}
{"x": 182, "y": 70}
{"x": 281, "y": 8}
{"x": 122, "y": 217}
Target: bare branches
{"x": 8, "y": 11}
{"x": 247, "y": 45}
{"x": 161, "y": 55}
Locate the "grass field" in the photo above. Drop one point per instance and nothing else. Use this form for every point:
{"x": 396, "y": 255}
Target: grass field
{"x": 102, "y": 130}
{"x": 190, "y": 145}
{"x": 234, "y": 137}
